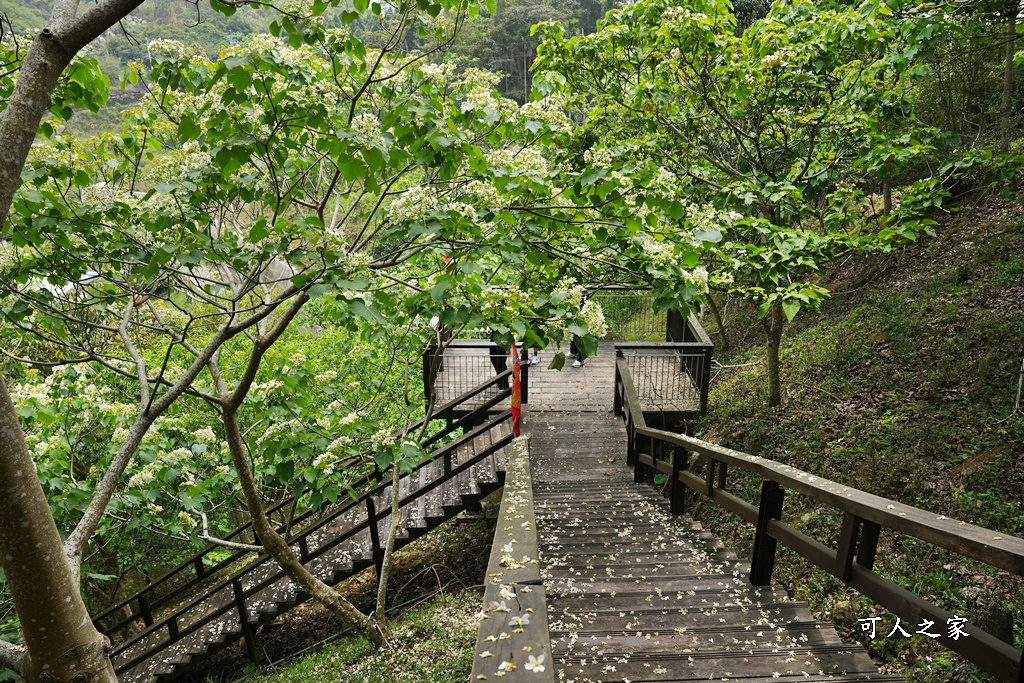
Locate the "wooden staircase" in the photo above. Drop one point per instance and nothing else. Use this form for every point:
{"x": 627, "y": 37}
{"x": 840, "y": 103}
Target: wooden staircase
{"x": 334, "y": 546}
{"x": 637, "y": 594}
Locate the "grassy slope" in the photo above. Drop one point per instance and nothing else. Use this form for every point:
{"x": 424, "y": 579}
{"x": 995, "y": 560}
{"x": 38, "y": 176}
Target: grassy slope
{"x": 433, "y": 643}
{"x": 900, "y": 387}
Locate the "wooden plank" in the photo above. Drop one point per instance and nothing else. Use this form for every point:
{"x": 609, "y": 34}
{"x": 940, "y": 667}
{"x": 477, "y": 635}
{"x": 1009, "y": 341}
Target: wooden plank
{"x": 628, "y": 586}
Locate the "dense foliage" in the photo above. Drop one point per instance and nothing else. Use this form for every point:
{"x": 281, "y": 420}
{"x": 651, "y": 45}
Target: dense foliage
{"x": 295, "y": 203}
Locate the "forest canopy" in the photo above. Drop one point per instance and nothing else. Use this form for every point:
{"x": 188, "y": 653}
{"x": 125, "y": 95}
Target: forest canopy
{"x": 218, "y": 290}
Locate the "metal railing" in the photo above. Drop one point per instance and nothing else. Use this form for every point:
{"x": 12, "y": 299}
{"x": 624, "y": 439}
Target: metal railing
{"x": 864, "y": 517}
{"x": 465, "y": 364}
{"x": 669, "y": 377}
{"x": 365, "y": 521}
{"x": 674, "y": 376}
{"x": 630, "y": 315}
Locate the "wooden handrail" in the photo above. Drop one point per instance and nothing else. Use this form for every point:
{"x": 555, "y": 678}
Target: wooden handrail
{"x": 998, "y": 550}
{"x": 864, "y": 514}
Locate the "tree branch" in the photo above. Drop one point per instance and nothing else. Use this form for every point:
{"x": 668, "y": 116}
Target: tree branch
{"x": 12, "y": 657}
{"x": 140, "y": 362}
{"x": 227, "y": 544}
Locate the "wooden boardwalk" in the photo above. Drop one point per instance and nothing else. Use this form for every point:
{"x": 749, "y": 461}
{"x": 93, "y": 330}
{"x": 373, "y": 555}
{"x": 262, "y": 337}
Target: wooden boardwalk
{"x": 635, "y": 594}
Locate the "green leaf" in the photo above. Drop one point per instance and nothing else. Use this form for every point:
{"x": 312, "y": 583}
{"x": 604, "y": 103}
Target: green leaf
{"x": 557, "y": 362}
{"x": 587, "y": 344}
{"x": 188, "y": 129}
{"x": 369, "y": 313}
{"x": 791, "y": 308}
{"x": 285, "y": 471}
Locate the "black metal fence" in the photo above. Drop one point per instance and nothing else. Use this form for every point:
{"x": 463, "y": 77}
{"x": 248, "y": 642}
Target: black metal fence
{"x": 630, "y": 316}
{"x": 671, "y": 377}
{"x": 464, "y": 365}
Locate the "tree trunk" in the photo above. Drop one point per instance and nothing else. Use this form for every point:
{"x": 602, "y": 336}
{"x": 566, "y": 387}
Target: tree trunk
{"x": 379, "y": 614}
{"x": 721, "y": 325}
{"x": 887, "y": 196}
{"x": 278, "y": 548}
{"x": 1006, "y": 108}
{"x": 61, "y": 644}
{"x": 773, "y": 324}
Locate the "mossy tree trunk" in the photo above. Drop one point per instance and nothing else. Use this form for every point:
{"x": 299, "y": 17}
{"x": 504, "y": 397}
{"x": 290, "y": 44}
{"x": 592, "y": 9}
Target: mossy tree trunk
{"x": 61, "y": 644}
{"x": 774, "y": 322}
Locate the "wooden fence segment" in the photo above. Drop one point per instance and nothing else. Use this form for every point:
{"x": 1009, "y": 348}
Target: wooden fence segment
{"x": 864, "y": 516}
{"x": 513, "y": 643}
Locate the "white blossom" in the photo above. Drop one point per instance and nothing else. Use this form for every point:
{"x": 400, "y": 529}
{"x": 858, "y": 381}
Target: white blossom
{"x": 381, "y": 439}
{"x": 413, "y": 204}
{"x": 326, "y": 377}
{"x": 205, "y": 435}
{"x": 187, "y": 520}
{"x": 592, "y": 314}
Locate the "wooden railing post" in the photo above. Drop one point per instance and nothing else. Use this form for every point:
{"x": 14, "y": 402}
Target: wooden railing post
{"x": 675, "y": 326}
{"x": 248, "y": 633}
{"x": 172, "y": 628}
{"x": 763, "y": 560}
{"x": 705, "y": 378}
{"x": 617, "y": 398}
{"x": 680, "y": 462}
{"x": 638, "y": 467}
{"x": 200, "y": 567}
{"x": 847, "y": 542}
{"x": 630, "y": 445}
{"x": 868, "y": 544}
{"x": 147, "y": 613}
{"x": 375, "y": 546}
{"x": 856, "y": 535}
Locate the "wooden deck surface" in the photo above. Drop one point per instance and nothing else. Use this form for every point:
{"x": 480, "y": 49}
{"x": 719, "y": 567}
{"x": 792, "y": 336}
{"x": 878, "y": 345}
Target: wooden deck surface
{"x": 637, "y": 594}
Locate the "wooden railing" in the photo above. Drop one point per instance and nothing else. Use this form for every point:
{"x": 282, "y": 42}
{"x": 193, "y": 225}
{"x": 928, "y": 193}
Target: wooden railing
{"x": 864, "y": 516}
{"x": 184, "y": 580}
{"x": 514, "y": 641}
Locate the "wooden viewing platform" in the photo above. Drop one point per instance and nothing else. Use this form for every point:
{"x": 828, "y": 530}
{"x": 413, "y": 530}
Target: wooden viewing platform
{"x": 596, "y": 576}
{"x": 666, "y": 376}
{"x": 633, "y": 593}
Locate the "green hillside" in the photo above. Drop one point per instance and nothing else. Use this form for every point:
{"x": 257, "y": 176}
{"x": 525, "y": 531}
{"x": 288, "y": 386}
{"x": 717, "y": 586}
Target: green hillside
{"x": 902, "y": 387}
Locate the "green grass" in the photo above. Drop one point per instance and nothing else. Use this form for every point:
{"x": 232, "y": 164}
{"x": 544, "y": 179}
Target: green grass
{"x": 900, "y": 388}
{"x": 431, "y": 643}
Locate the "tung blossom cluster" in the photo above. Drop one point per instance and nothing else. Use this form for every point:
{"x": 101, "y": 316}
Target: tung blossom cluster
{"x": 524, "y": 162}
{"x": 551, "y": 111}
{"x": 413, "y": 204}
